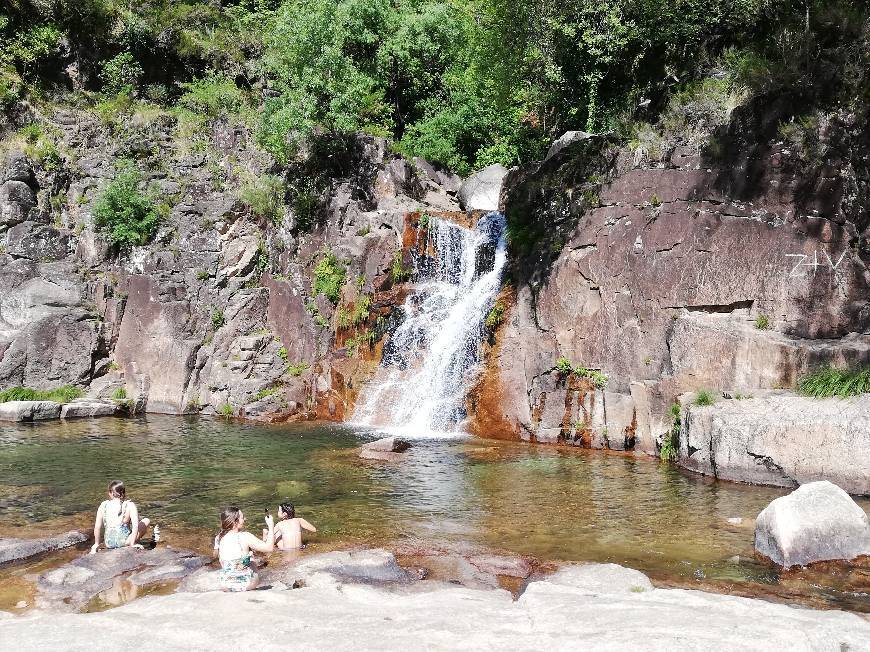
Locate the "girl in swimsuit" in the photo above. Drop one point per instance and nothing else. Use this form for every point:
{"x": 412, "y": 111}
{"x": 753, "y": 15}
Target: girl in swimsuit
{"x": 115, "y": 517}
{"x": 234, "y": 546}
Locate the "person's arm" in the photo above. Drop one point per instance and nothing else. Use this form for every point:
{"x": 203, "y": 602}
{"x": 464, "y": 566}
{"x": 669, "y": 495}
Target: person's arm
{"x": 133, "y": 513}
{"x": 305, "y": 524}
{"x": 261, "y": 546}
{"x": 98, "y": 528}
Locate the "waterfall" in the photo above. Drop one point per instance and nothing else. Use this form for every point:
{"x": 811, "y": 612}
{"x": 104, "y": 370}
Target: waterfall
{"x": 433, "y": 356}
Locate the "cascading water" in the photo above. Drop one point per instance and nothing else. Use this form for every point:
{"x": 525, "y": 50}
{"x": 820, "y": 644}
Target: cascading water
{"x": 433, "y": 355}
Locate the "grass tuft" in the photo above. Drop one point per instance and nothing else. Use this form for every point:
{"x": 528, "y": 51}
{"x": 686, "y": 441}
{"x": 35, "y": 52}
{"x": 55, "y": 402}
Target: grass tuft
{"x": 63, "y": 394}
{"x": 832, "y": 381}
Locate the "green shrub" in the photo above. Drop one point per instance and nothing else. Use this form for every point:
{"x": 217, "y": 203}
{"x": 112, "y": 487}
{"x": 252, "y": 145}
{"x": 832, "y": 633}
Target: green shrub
{"x": 226, "y": 410}
{"x": 121, "y": 74}
{"x": 119, "y": 394}
{"x": 112, "y": 108}
{"x": 264, "y": 197}
{"x": 598, "y": 378}
{"x": 213, "y": 96}
{"x": 398, "y": 272}
{"x": 564, "y": 366}
{"x": 63, "y": 394}
{"x": 704, "y": 397}
{"x": 269, "y": 391}
{"x": 832, "y": 381}
{"x": 282, "y": 353}
{"x": 217, "y": 318}
{"x": 329, "y": 276}
{"x": 123, "y": 211}
{"x": 762, "y": 322}
{"x": 361, "y": 310}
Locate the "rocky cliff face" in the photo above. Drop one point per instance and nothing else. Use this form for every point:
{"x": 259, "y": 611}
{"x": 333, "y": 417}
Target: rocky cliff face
{"x": 218, "y": 313}
{"x": 737, "y": 271}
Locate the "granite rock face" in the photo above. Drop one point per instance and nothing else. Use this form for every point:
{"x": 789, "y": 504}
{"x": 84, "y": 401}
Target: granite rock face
{"x": 29, "y": 410}
{"x": 816, "y": 522}
{"x": 668, "y": 276}
{"x": 782, "y": 440}
{"x": 481, "y": 191}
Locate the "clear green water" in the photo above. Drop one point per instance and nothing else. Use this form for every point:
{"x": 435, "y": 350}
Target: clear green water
{"x": 552, "y": 503}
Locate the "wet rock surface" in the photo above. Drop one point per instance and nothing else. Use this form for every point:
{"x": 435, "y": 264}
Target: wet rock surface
{"x": 361, "y": 617}
{"x": 13, "y": 549}
{"x": 342, "y": 567}
{"x": 767, "y": 440}
{"x": 388, "y": 449}
{"x": 73, "y": 585}
{"x": 29, "y": 410}
{"x": 816, "y": 522}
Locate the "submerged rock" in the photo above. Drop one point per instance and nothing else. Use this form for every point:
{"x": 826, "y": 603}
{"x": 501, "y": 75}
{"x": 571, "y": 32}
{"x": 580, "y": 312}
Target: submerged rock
{"x": 389, "y": 449}
{"x": 88, "y": 408}
{"x": 817, "y": 522}
{"x": 73, "y": 585}
{"x": 29, "y": 410}
{"x": 12, "y": 549}
{"x": 333, "y": 568}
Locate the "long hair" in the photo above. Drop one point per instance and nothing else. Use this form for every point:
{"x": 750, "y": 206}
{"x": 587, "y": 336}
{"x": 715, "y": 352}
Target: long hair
{"x": 229, "y": 518}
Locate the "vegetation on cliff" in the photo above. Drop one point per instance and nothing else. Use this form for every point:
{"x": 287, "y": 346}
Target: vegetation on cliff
{"x": 460, "y": 82}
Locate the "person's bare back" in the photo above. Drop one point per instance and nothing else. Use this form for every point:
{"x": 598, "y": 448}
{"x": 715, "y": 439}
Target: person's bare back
{"x": 288, "y": 530}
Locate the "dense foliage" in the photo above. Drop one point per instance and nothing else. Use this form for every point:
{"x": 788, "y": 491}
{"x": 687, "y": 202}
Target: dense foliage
{"x": 127, "y": 214}
{"x": 460, "y": 82}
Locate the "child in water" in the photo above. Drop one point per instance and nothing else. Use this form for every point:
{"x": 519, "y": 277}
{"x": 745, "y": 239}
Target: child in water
{"x": 288, "y": 529}
{"x": 115, "y": 519}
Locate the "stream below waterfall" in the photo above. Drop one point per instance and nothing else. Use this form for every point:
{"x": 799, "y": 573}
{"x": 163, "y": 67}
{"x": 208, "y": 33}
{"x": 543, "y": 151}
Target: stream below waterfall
{"x": 552, "y": 503}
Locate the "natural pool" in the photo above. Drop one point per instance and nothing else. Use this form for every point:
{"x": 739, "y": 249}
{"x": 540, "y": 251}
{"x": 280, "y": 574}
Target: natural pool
{"x": 547, "y": 502}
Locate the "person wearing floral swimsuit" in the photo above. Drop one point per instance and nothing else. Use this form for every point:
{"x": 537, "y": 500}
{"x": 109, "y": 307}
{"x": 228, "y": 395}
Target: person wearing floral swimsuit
{"x": 234, "y": 547}
{"x": 114, "y": 520}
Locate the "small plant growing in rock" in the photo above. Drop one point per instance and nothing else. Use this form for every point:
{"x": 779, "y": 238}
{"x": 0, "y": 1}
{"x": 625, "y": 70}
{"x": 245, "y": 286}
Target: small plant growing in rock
{"x": 202, "y": 274}
{"x": 63, "y": 394}
{"x": 424, "y": 222}
{"x": 654, "y": 201}
{"x": 264, "y": 197}
{"x": 364, "y": 231}
{"x": 564, "y": 366}
{"x": 226, "y": 410}
{"x": 269, "y": 391}
{"x": 671, "y": 442}
{"x": 647, "y": 361}
{"x": 329, "y": 276}
{"x": 398, "y": 272}
{"x": 217, "y": 318}
{"x": 321, "y": 321}
{"x": 361, "y": 310}
{"x": 120, "y": 394}
{"x": 704, "y": 397}
{"x": 495, "y": 316}
{"x": 833, "y": 381}
{"x": 297, "y": 369}
{"x": 282, "y": 353}
{"x": 762, "y": 322}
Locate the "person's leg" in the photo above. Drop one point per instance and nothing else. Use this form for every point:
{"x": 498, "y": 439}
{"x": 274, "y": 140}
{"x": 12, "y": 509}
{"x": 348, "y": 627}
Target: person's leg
{"x": 143, "y": 525}
{"x": 255, "y": 579}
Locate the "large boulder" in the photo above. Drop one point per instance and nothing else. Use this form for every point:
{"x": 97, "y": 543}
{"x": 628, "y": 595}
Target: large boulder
{"x": 816, "y": 522}
{"x": 38, "y": 242}
{"x": 481, "y": 191}
{"x": 17, "y": 199}
{"x": 374, "y": 566}
{"x": 82, "y": 408}
{"x": 17, "y": 168}
{"x": 767, "y": 440}
{"x": 29, "y": 410}
{"x": 12, "y": 549}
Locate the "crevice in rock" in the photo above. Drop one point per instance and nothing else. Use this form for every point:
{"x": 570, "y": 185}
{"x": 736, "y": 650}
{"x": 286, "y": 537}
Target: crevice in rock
{"x": 715, "y": 308}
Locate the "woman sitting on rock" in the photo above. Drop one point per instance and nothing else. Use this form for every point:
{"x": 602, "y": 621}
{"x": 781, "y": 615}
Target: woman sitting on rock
{"x": 234, "y": 546}
{"x": 116, "y": 516}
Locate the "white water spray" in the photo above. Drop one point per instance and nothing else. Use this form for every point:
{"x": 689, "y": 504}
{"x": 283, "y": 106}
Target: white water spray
{"x": 433, "y": 356}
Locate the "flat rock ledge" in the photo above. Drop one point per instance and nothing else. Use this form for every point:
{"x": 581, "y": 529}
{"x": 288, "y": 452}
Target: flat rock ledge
{"x": 816, "y": 522}
{"x": 48, "y": 410}
{"x": 596, "y": 606}
{"x": 12, "y": 549}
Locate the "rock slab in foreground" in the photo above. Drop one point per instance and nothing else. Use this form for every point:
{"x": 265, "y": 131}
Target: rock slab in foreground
{"x": 817, "y": 522}
{"x": 29, "y": 410}
{"x": 12, "y": 549}
{"x": 600, "y": 607}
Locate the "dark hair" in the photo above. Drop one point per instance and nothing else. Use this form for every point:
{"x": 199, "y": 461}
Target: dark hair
{"x": 229, "y": 517}
{"x": 117, "y": 490}
{"x": 288, "y": 509}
